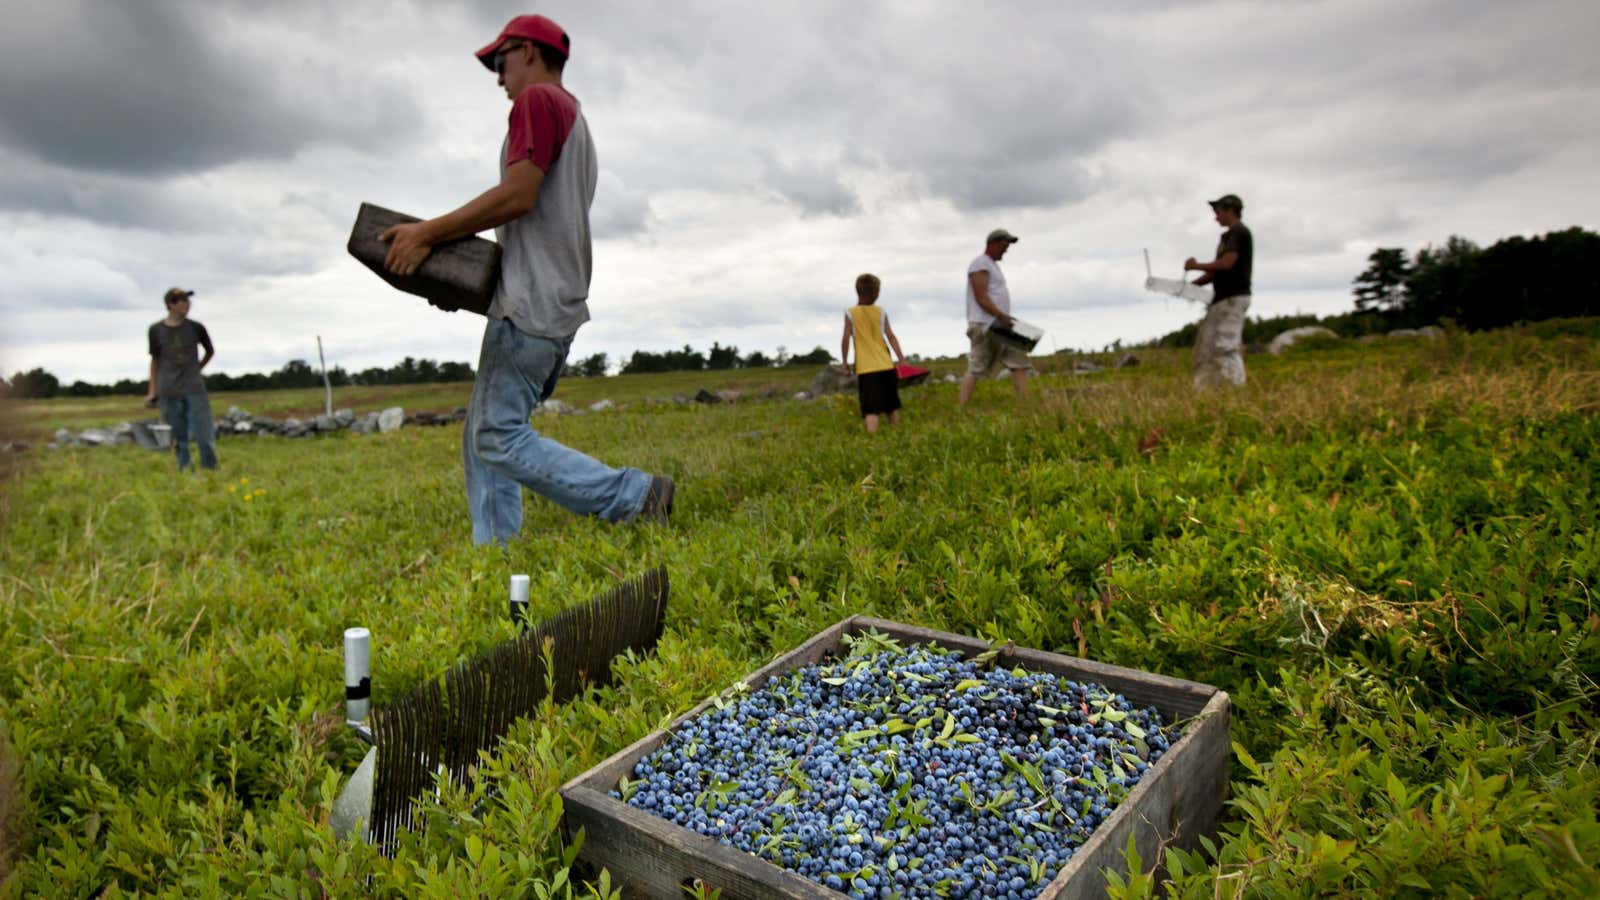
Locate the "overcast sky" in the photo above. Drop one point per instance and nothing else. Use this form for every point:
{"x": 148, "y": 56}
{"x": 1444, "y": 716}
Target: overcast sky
{"x": 755, "y": 157}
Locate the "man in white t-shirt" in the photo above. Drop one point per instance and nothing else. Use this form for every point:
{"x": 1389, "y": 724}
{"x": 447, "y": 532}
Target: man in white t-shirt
{"x": 989, "y": 303}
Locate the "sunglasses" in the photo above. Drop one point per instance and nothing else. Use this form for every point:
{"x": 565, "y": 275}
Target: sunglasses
{"x": 499, "y": 57}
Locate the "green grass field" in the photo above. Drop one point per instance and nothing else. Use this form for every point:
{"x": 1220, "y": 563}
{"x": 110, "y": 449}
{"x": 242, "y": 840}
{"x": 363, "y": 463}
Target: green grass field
{"x": 1386, "y": 554}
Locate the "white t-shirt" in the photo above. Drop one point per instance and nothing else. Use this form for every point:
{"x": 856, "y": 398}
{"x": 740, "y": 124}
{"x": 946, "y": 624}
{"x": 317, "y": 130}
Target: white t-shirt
{"x": 998, "y": 295}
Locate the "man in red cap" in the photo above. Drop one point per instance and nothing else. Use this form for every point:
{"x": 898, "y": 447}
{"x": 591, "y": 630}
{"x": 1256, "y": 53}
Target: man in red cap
{"x": 540, "y": 214}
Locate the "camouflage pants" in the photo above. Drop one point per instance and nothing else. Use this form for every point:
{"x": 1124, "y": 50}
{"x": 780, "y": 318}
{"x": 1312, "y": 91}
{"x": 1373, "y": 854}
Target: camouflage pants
{"x": 1218, "y": 356}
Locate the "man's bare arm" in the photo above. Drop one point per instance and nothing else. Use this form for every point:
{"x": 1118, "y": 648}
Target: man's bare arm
{"x": 844, "y": 345}
{"x": 514, "y": 196}
{"x": 980, "y": 291}
{"x": 1221, "y": 264}
{"x": 151, "y": 394}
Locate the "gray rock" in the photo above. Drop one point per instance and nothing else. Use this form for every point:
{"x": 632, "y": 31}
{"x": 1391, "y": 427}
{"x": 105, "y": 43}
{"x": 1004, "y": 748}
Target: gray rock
{"x": 235, "y": 413}
{"x": 1085, "y": 367}
{"x": 832, "y": 380}
{"x": 1294, "y": 336}
{"x": 950, "y": 378}
{"x": 345, "y": 416}
{"x": 681, "y": 400}
{"x": 293, "y": 424}
{"x": 391, "y": 418}
{"x": 601, "y": 406}
{"x": 144, "y": 436}
{"x": 326, "y": 422}
{"x": 727, "y": 396}
{"x": 553, "y": 407}
{"x": 122, "y": 439}
{"x": 94, "y": 437}
{"x": 705, "y": 396}
{"x": 63, "y": 436}
{"x": 367, "y": 424}
{"x": 244, "y": 427}
{"x": 802, "y": 395}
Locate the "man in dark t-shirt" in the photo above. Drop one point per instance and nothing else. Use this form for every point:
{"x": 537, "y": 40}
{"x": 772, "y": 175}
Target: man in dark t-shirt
{"x": 176, "y": 383}
{"x": 1217, "y": 346}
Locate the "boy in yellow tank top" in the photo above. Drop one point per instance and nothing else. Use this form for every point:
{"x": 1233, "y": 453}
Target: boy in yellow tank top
{"x": 877, "y": 382}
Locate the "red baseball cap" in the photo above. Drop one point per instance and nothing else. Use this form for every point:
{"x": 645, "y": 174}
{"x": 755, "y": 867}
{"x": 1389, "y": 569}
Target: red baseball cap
{"x": 538, "y": 29}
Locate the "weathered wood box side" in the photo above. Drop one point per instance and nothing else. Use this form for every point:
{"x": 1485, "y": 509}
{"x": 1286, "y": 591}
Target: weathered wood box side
{"x": 459, "y": 274}
{"x": 1179, "y": 799}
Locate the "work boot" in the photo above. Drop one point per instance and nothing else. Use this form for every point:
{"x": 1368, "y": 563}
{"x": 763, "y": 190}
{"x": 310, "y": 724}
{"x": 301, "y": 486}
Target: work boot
{"x": 658, "y": 500}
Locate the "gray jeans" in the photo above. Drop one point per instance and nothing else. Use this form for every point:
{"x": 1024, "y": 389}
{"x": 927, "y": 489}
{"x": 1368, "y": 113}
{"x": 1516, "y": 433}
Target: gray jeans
{"x": 1218, "y": 355}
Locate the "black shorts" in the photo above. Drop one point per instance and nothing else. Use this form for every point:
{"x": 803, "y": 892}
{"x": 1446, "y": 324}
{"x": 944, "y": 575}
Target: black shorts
{"x": 879, "y": 392}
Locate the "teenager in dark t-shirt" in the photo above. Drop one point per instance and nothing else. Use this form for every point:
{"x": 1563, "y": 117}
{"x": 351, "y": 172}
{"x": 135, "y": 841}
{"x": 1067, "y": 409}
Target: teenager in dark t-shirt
{"x": 176, "y": 383}
{"x": 1218, "y": 356}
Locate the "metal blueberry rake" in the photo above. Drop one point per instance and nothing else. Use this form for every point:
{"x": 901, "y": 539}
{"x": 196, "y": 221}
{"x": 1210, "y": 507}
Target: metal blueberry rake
{"x": 442, "y": 725}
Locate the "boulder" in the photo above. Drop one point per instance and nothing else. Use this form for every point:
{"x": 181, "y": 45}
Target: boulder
{"x": 832, "y": 380}
{"x": 1294, "y": 336}
{"x": 552, "y": 407}
{"x": 94, "y": 437}
{"x": 950, "y": 378}
{"x": 234, "y": 414}
{"x": 326, "y": 423}
{"x": 391, "y": 419}
{"x": 681, "y": 400}
{"x": 367, "y": 424}
{"x": 345, "y": 416}
{"x": 601, "y": 406}
{"x": 802, "y": 395}
{"x": 705, "y": 396}
{"x": 144, "y": 436}
{"x": 727, "y": 396}
{"x": 1085, "y": 367}
{"x": 63, "y": 436}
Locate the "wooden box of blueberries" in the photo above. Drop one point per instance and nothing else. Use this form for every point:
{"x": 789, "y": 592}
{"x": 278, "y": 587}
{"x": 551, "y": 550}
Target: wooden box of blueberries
{"x": 885, "y": 760}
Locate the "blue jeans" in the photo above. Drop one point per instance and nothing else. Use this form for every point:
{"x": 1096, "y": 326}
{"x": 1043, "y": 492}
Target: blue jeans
{"x": 189, "y": 415}
{"x": 502, "y": 453}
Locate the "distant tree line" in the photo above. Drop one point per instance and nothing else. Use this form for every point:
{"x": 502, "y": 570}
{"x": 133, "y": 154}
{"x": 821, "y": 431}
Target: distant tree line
{"x": 1515, "y": 279}
{"x": 297, "y": 373}
{"x": 719, "y": 357}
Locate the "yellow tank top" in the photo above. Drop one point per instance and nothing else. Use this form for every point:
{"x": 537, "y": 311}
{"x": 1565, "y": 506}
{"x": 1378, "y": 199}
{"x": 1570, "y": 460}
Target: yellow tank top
{"x": 872, "y": 351}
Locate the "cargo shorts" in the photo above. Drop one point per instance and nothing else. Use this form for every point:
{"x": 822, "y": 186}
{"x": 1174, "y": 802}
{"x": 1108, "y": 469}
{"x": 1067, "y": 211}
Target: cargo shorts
{"x": 988, "y": 352}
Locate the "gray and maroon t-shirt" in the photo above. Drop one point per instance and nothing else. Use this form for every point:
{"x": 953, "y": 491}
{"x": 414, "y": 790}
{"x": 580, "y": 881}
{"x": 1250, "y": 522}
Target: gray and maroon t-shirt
{"x": 545, "y": 256}
{"x": 1234, "y": 281}
{"x": 175, "y": 348}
